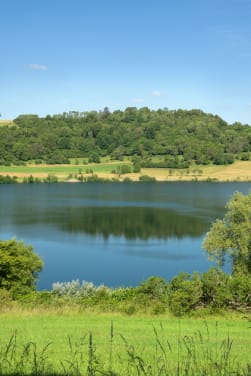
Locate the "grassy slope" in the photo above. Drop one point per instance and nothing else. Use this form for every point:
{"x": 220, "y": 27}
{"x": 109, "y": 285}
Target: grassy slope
{"x": 239, "y": 171}
{"x": 138, "y": 331}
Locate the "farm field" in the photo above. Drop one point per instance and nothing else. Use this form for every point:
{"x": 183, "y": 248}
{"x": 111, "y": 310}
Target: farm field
{"x": 238, "y": 171}
{"x": 116, "y": 340}
{"x": 5, "y": 122}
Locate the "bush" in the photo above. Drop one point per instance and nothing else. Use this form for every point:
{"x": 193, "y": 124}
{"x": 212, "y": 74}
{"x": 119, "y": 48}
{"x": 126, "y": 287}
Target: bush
{"x": 146, "y": 178}
{"x": 94, "y": 158}
{"x": 8, "y": 179}
{"x": 5, "y": 298}
{"x": 125, "y": 169}
{"x": 122, "y": 169}
{"x": 127, "y": 180}
{"x": 185, "y": 293}
{"x": 240, "y": 288}
{"x": 130, "y": 310}
{"x": 19, "y": 267}
{"x": 136, "y": 167}
{"x": 216, "y": 288}
{"x": 76, "y": 289}
{"x": 51, "y": 179}
{"x": 123, "y": 294}
{"x": 154, "y": 288}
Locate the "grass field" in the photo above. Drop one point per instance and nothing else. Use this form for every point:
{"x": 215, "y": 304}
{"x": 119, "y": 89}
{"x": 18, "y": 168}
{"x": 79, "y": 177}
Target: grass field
{"x": 146, "y": 341}
{"x": 5, "y": 122}
{"x": 238, "y": 171}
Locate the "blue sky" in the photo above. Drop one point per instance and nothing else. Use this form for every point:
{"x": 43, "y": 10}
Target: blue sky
{"x": 61, "y": 55}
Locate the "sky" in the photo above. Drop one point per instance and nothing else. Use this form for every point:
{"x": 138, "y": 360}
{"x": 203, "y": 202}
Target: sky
{"x": 82, "y": 55}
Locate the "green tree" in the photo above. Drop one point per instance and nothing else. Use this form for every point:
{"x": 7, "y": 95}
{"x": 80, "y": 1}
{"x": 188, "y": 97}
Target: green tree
{"x": 232, "y": 235}
{"x": 19, "y": 266}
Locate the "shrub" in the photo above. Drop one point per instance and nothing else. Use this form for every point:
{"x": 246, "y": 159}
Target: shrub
{"x": 19, "y": 267}
{"x": 240, "y": 289}
{"x": 147, "y": 178}
{"x": 130, "y": 310}
{"x": 76, "y": 289}
{"x": 125, "y": 169}
{"x": 94, "y": 158}
{"x": 51, "y": 179}
{"x": 136, "y": 167}
{"x": 123, "y": 294}
{"x": 5, "y": 298}
{"x": 8, "y": 179}
{"x": 216, "y": 288}
{"x": 185, "y": 293}
{"x": 154, "y": 288}
{"x": 127, "y": 180}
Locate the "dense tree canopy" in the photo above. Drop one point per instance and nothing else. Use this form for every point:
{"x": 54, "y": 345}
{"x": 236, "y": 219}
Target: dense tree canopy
{"x": 179, "y": 136}
{"x": 19, "y": 266}
{"x": 232, "y": 234}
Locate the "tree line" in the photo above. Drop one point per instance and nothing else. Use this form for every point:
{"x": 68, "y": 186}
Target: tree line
{"x": 179, "y": 137}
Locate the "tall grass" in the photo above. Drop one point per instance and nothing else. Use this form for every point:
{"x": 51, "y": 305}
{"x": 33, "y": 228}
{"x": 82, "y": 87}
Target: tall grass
{"x": 199, "y": 354}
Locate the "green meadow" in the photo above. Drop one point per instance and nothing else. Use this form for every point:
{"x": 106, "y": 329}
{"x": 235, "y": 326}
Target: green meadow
{"x": 94, "y": 344}
{"x": 108, "y": 169}
{"x": 60, "y": 170}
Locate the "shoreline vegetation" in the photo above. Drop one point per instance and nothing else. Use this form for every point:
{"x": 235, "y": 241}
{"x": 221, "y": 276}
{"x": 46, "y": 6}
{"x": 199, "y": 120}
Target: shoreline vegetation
{"x": 115, "y": 171}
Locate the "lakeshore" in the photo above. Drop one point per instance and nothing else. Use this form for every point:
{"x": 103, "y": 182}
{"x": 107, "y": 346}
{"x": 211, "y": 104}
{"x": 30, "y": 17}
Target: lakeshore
{"x": 238, "y": 171}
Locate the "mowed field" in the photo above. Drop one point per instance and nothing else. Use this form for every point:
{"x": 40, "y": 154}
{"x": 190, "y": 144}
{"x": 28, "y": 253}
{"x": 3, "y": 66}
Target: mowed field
{"x": 238, "y": 171}
{"x": 153, "y": 339}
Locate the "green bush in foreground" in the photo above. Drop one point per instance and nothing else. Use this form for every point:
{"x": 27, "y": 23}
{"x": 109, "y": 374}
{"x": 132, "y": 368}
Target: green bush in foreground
{"x": 19, "y": 267}
{"x": 185, "y": 294}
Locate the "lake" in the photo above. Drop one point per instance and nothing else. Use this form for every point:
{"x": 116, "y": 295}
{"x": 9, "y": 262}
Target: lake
{"x": 114, "y": 233}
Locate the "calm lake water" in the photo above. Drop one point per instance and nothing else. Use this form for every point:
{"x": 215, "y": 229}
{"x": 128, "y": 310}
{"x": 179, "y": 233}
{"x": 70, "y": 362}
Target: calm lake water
{"x": 116, "y": 234}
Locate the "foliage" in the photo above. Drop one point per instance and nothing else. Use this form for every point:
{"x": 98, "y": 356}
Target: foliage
{"x": 232, "y": 234}
{"x": 185, "y": 293}
{"x": 8, "y": 179}
{"x": 179, "y": 137}
{"x": 76, "y": 289}
{"x": 240, "y": 287}
{"x": 122, "y": 169}
{"x": 51, "y": 179}
{"x": 5, "y": 298}
{"x": 216, "y": 289}
{"x": 19, "y": 266}
{"x": 147, "y": 178}
{"x": 154, "y": 288}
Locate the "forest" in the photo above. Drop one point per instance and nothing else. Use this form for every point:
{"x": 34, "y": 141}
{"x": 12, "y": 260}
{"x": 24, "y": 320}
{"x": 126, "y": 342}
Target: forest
{"x": 178, "y": 137}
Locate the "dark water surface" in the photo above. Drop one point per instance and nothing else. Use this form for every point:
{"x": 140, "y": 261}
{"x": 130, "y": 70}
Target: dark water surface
{"x": 116, "y": 234}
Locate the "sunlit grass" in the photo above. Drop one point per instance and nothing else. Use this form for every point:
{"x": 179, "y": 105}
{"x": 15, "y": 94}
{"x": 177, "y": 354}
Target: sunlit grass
{"x": 238, "y": 171}
{"x": 6, "y": 122}
{"x": 61, "y": 171}
{"x": 153, "y": 340}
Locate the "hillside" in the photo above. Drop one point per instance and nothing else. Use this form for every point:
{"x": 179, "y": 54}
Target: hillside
{"x": 162, "y": 138}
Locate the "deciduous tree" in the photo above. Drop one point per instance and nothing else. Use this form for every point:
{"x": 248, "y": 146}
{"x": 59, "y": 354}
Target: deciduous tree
{"x": 19, "y": 266}
{"x": 232, "y": 235}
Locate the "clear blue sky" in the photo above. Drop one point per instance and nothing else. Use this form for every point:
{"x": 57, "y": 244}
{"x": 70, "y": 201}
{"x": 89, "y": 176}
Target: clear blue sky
{"x": 61, "y": 55}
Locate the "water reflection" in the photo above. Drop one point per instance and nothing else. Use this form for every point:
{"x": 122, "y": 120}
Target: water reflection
{"x": 130, "y": 222}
